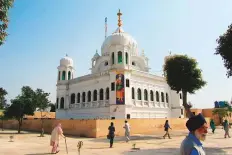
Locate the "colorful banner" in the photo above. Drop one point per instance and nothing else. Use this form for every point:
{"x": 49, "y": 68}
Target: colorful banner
{"x": 120, "y": 93}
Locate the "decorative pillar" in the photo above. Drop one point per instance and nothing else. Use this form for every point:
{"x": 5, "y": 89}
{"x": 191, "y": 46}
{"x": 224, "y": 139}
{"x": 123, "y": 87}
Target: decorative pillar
{"x": 66, "y": 106}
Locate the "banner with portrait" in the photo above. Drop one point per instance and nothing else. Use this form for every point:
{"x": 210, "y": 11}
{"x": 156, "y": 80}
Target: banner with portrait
{"x": 120, "y": 88}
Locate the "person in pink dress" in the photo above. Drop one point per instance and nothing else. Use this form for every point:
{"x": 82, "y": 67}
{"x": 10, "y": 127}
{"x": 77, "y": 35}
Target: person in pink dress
{"x": 55, "y": 137}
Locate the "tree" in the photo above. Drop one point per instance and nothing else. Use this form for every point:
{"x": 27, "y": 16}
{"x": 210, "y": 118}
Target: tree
{"x": 3, "y": 93}
{"x": 5, "y": 5}
{"x": 53, "y": 107}
{"x": 222, "y": 112}
{"x": 182, "y": 74}
{"x": 224, "y": 49}
{"x": 42, "y": 102}
{"x": 22, "y": 105}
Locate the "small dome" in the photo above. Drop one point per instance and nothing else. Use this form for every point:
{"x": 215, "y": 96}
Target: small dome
{"x": 96, "y": 55}
{"x": 119, "y": 37}
{"x": 66, "y": 61}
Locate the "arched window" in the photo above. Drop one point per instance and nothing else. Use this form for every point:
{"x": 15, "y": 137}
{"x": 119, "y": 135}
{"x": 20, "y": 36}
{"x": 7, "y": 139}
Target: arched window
{"x": 94, "y": 62}
{"x": 112, "y": 57}
{"x": 162, "y": 97}
{"x": 139, "y": 94}
{"x": 95, "y": 95}
{"x": 167, "y": 98}
{"x": 63, "y": 75}
{"x": 151, "y": 95}
{"x": 133, "y": 93}
{"x": 73, "y": 98}
{"x": 59, "y": 75}
{"x": 89, "y": 96}
{"x": 101, "y": 94}
{"x": 145, "y": 95}
{"x": 83, "y": 97}
{"x": 127, "y": 83}
{"x": 119, "y": 57}
{"x": 78, "y": 98}
{"x": 107, "y": 93}
{"x": 106, "y": 63}
{"x": 62, "y": 103}
{"x": 180, "y": 96}
{"x": 133, "y": 63}
{"x": 126, "y": 58}
{"x": 57, "y": 103}
{"x": 69, "y": 75}
{"x": 157, "y": 96}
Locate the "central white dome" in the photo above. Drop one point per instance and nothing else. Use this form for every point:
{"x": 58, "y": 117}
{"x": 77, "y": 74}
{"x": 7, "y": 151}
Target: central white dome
{"x": 119, "y": 37}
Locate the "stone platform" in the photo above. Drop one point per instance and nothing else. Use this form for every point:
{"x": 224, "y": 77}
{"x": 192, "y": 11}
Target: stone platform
{"x": 31, "y": 144}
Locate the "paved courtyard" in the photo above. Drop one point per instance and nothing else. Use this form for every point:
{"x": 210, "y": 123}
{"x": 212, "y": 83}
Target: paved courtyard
{"x": 32, "y": 144}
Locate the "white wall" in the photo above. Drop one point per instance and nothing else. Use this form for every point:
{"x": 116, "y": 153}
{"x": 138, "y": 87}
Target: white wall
{"x": 136, "y": 108}
{"x": 79, "y": 85}
{"x": 88, "y": 113}
{"x": 176, "y": 105}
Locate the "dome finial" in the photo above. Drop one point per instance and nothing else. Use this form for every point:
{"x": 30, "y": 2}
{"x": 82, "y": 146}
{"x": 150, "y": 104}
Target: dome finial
{"x": 119, "y": 19}
{"x": 143, "y": 54}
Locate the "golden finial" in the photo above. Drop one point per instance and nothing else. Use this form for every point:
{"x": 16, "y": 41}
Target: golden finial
{"x": 119, "y": 19}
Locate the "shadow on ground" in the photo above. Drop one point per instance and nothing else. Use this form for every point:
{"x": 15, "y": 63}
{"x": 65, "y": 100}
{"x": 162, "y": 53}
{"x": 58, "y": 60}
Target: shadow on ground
{"x": 38, "y": 154}
{"x": 132, "y": 138}
{"x": 173, "y": 151}
{"x": 157, "y": 136}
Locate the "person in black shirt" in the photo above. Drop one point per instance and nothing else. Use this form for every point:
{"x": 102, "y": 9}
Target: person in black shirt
{"x": 111, "y": 135}
{"x": 166, "y": 128}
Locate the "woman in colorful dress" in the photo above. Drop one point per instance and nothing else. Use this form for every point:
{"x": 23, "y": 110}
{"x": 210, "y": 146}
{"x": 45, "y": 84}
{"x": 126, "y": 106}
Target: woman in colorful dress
{"x": 55, "y": 137}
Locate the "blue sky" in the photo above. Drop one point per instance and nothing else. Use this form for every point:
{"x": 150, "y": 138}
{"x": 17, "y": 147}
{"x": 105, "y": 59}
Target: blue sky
{"x": 43, "y": 31}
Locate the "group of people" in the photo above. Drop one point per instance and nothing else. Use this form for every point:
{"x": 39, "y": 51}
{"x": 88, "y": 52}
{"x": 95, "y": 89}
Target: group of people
{"x": 191, "y": 145}
{"x": 225, "y": 126}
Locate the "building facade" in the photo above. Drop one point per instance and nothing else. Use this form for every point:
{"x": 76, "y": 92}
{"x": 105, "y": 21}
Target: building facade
{"x": 119, "y": 86}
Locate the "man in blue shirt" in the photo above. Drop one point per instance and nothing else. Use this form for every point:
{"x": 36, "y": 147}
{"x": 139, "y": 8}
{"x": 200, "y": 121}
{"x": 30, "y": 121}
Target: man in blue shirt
{"x": 192, "y": 145}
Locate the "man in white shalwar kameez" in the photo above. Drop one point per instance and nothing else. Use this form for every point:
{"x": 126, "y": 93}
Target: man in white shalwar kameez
{"x": 127, "y": 131}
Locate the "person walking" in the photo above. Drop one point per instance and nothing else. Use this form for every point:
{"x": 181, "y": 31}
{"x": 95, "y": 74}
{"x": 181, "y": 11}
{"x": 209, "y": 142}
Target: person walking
{"x": 127, "y": 131}
{"x": 212, "y": 125}
{"x": 55, "y": 137}
{"x": 111, "y": 134}
{"x": 226, "y": 128}
{"x": 191, "y": 145}
{"x": 166, "y": 128}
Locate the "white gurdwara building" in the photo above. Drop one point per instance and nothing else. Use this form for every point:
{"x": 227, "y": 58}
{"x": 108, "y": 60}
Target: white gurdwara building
{"x": 119, "y": 86}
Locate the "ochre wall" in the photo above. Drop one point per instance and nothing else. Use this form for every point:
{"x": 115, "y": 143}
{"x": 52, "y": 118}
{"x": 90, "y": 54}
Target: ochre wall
{"x": 99, "y": 128}
{"x": 209, "y": 114}
{"x": 37, "y": 114}
{"x": 85, "y": 128}
{"x": 139, "y": 126}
